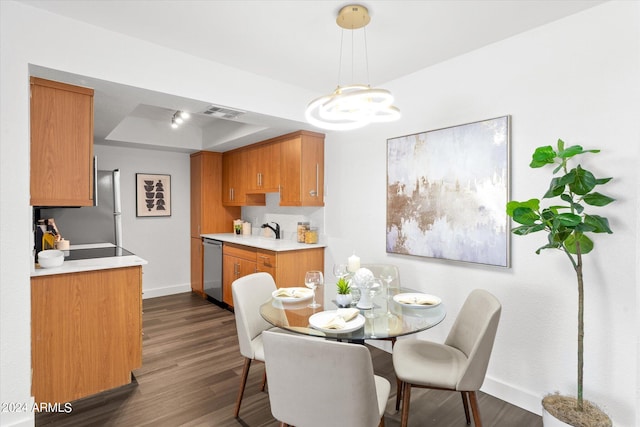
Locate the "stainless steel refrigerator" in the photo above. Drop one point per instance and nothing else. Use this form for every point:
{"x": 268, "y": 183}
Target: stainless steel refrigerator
{"x": 101, "y": 223}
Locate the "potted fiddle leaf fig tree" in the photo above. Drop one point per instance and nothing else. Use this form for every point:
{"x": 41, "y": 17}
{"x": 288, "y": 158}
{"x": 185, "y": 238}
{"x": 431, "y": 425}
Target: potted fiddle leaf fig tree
{"x": 567, "y": 227}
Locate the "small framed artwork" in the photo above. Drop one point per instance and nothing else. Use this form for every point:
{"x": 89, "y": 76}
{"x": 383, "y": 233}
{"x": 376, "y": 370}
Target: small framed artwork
{"x": 447, "y": 191}
{"x": 153, "y": 195}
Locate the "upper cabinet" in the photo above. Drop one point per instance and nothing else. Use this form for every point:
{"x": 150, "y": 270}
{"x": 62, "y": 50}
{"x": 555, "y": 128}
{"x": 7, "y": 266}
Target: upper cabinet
{"x": 292, "y": 164}
{"x": 207, "y": 213}
{"x": 263, "y": 168}
{"x": 61, "y": 144}
{"x": 302, "y": 169}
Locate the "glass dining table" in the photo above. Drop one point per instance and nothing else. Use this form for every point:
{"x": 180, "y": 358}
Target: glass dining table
{"x": 388, "y": 319}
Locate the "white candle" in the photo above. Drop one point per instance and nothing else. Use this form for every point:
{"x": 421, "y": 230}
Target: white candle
{"x": 353, "y": 263}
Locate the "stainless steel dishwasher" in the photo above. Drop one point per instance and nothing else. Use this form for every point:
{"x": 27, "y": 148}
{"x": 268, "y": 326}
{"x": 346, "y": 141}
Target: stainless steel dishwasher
{"x": 213, "y": 268}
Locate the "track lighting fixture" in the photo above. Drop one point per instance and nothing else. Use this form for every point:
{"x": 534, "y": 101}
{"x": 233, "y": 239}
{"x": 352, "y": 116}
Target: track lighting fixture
{"x": 178, "y": 118}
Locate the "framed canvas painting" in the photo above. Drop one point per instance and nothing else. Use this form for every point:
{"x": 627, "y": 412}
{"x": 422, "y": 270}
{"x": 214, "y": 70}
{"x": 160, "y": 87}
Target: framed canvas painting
{"x": 153, "y": 195}
{"x": 447, "y": 191}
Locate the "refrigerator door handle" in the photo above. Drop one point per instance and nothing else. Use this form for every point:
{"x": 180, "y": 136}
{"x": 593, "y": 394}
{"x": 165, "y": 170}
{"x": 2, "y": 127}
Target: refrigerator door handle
{"x": 95, "y": 180}
{"x": 117, "y": 207}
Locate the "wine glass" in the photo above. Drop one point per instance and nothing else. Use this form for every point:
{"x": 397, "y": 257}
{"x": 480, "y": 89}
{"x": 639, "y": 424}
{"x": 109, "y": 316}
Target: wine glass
{"x": 312, "y": 279}
{"x": 340, "y": 270}
{"x": 388, "y": 275}
{"x": 373, "y": 288}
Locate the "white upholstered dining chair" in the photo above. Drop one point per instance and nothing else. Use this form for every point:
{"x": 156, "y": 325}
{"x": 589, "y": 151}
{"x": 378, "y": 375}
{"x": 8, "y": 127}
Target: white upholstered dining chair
{"x": 460, "y": 364}
{"x": 249, "y": 293}
{"x": 318, "y": 383}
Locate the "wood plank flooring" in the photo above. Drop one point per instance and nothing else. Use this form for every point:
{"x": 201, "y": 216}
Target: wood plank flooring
{"x": 190, "y": 377}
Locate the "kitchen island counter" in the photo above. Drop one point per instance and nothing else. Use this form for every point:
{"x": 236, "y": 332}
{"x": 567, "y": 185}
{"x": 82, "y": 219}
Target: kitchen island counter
{"x": 91, "y": 264}
{"x": 260, "y": 242}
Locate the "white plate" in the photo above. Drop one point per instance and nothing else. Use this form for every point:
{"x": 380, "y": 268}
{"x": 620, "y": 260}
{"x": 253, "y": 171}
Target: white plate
{"x": 416, "y": 297}
{"x": 307, "y": 294}
{"x": 319, "y": 319}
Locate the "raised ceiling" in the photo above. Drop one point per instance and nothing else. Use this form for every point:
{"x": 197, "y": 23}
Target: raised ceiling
{"x": 296, "y": 42}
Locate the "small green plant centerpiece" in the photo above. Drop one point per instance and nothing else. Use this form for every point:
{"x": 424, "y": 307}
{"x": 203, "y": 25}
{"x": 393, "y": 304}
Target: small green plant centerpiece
{"x": 343, "y": 286}
{"x": 566, "y": 224}
{"x": 344, "y": 297}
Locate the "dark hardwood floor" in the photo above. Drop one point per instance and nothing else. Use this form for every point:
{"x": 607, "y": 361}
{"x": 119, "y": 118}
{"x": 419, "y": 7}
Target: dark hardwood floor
{"x": 190, "y": 377}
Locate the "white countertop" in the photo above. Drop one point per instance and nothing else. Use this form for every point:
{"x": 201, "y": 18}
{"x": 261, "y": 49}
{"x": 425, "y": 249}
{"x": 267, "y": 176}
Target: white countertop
{"x": 76, "y": 266}
{"x": 271, "y": 244}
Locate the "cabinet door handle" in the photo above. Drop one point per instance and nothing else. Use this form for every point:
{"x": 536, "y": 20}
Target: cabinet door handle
{"x": 314, "y": 193}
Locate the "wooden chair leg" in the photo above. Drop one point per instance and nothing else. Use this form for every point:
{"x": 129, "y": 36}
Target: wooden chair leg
{"x": 406, "y": 399}
{"x": 243, "y": 382}
{"x": 399, "y": 386}
{"x": 474, "y": 409}
{"x": 264, "y": 380}
{"x": 466, "y": 406}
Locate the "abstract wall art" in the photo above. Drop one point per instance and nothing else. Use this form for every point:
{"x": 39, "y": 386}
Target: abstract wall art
{"x": 447, "y": 191}
{"x": 153, "y": 195}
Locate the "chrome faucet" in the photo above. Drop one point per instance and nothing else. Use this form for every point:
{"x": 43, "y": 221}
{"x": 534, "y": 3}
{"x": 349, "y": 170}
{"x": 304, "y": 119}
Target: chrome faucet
{"x": 275, "y": 230}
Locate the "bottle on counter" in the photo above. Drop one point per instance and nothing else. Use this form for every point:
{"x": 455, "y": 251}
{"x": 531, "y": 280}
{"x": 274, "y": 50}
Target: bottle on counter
{"x": 303, "y": 227}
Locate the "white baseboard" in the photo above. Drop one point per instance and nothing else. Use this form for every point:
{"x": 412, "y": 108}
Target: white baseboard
{"x": 514, "y": 395}
{"x": 167, "y": 290}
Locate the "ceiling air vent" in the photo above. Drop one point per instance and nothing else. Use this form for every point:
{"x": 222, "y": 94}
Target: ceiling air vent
{"x": 222, "y": 112}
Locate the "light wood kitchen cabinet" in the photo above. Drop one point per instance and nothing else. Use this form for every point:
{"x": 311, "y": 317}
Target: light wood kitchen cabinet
{"x": 208, "y": 215}
{"x": 302, "y": 169}
{"x": 61, "y": 144}
{"x": 234, "y": 181}
{"x": 233, "y": 176}
{"x": 286, "y": 267}
{"x": 289, "y": 267}
{"x": 263, "y": 168}
{"x": 86, "y": 332}
{"x": 237, "y": 261}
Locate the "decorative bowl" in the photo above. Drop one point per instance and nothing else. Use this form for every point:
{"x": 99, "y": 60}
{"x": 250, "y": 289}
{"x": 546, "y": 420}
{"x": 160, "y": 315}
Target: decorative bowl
{"x": 50, "y": 258}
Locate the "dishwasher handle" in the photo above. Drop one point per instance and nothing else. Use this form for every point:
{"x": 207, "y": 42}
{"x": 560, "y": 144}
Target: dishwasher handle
{"x": 212, "y": 242}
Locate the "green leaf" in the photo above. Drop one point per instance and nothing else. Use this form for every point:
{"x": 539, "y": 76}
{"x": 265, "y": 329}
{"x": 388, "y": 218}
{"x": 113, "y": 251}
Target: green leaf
{"x": 556, "y": 188}
{"x": 524, "y": 215}
{"x": 599, "y": 223}
{"x": 584, "y": 181}
{"x": 569, "y": 219}
{"x": 542, "y": 156}
{"x": 601, "y": 181}
{"x": 597, "y": 199}
{"x": 586, "y": 244}
{"x": 533, "y": 204}
{"x": 570, "y": 152}
{"x": 527, "y": 229}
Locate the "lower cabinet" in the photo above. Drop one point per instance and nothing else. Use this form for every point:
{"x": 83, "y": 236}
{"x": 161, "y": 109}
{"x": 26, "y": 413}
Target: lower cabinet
{"x": 86, "y": 332}
{"x": 237, "y": 261}
{"x": 197, "y": 266}
{"x": 286, "y": 267}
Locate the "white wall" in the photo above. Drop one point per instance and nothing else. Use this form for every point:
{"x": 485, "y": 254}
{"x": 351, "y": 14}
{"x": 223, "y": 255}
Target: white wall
{"x": 162, "y": 241}
{"x": 32, "y": 36}
{"x": 576, "y": 79}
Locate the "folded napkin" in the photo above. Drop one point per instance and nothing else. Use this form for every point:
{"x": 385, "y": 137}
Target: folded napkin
{"x": 420, "y": 300}
{"x": 283, "y": 292}
{"x": 347, "y": 313}
{"x": 335, "y": 322}
{"x": 342, "y": 316}
{"x": 292, "y": 293}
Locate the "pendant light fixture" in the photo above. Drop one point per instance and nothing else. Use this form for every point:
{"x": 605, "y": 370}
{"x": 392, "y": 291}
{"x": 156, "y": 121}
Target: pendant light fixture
{"x": 355, "y": 105}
